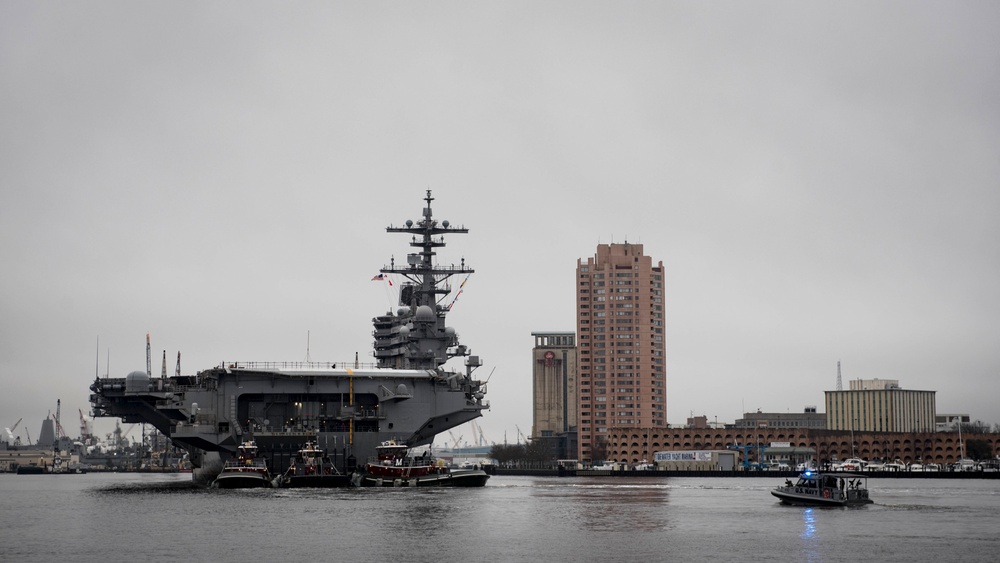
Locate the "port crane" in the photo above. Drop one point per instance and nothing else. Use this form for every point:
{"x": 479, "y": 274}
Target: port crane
{"x": 520, "y": 435}
{"x": 477, "y": 432}
{"x": 745, "y": 454}
{"x": 10, "y": 431}
{"x": 84, "y": 427}
{"x": 60, "y": 433}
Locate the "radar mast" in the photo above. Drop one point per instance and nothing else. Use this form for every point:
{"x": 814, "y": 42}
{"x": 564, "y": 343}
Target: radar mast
{"x": 415, "y": 337}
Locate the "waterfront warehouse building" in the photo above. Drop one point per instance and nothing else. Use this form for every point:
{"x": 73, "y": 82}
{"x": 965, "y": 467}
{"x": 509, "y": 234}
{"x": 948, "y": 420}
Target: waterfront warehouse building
{"x": 880, "y": 405}
{"x": 622, "y": 380}
{"x": 553, "y": 391}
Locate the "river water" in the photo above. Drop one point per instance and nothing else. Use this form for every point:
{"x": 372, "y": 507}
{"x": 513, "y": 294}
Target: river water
{"x": 108, "y": 517}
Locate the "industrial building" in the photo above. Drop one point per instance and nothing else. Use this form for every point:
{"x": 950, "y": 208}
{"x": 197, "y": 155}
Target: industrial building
{"x": 554, "y": 392}
{"x": 808, "y": 418}
{"x": 880, "y": 405}
{"x": 632, "y": 445}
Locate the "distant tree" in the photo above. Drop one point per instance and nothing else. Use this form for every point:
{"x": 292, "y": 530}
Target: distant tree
{"x": 600, "y": 451}
{"x": 978, "y": 449}
{"x": 507, "y": 454}
{"x": 538, "y": 454}
{"x": 977, "y": 427}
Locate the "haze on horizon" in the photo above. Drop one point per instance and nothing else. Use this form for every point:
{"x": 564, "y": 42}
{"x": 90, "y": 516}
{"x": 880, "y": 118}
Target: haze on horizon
{"x": 820, "y": 182}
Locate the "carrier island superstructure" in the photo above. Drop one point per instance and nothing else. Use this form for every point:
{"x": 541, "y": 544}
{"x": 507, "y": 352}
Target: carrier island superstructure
{"x": 408, "y": 394}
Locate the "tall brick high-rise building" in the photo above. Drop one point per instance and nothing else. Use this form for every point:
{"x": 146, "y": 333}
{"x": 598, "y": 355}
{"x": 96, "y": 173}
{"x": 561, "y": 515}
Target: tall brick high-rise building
{"x": 619, "y": 320}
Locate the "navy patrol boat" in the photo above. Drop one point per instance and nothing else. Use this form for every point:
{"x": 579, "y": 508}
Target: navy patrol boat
{"x": 825, "y": 489}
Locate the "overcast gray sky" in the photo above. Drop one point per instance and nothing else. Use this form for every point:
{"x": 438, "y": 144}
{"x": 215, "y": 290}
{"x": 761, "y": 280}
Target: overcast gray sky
{"x": 819, "y": 179}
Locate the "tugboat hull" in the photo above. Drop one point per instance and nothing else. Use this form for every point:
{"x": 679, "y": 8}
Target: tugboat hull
{"x": 241, "y": 481}
{"x": 460, "y": 478}
{"x": 317, "y": 481}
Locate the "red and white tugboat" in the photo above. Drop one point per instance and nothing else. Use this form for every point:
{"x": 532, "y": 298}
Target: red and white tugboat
{"x": 244, "y": 472}
{"x": 313, "y": 468}
{"x": 393, "y": 466}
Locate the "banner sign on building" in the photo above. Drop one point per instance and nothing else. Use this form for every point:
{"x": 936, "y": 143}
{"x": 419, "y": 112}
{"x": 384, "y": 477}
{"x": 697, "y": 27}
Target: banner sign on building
{"x": 697, "y": 455}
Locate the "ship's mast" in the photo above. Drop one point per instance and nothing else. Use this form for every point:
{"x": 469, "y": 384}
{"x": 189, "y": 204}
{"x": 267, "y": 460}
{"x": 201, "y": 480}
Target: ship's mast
{"x": 427, "y": 279}
{"x": 417, "y": 337}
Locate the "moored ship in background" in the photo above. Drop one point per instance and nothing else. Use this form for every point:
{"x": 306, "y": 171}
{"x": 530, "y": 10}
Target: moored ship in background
{"x": 409, "y": 395}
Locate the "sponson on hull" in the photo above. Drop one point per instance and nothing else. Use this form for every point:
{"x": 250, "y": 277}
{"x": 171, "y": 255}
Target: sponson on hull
{"x": 408, "y": 394}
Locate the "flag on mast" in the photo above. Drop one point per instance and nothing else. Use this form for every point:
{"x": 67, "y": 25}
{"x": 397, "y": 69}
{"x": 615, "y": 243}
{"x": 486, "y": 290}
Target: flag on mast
{"x": 381, "y": 277}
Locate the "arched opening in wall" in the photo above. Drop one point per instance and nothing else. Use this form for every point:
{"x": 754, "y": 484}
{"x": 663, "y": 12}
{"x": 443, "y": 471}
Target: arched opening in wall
{"x": 687, "y": 444}
{"x": 656, "y": 445}
{"x": 677, "y": 445}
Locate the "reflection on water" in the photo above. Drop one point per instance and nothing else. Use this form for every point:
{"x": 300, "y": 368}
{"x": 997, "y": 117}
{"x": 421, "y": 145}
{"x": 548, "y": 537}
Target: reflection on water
{"x": 511, "y": 519}
{"x": 808, "y": 535}
{"x": 810, "y": 524}
{"x": 615, "y": 506}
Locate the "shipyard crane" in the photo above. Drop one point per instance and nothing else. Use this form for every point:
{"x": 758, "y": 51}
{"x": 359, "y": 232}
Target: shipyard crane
{"x": 60, "y": 433}
{"x": 455, "y": 442}
{"x": 520, "y": 435}
{"x": 84, "y": 427}
{"x": 10, "y": 430}
{"x": 477, "y": 431}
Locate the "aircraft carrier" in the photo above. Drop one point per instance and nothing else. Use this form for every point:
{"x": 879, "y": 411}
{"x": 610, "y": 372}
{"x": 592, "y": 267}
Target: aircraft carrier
{"x": 408, "y": 394}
